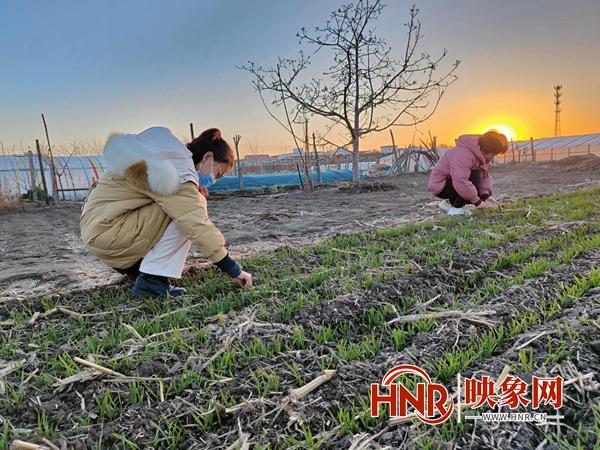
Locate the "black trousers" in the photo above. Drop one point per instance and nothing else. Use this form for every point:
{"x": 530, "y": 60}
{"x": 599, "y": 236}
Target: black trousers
{"x": 132, "y": 272}
{"x": 456, "y": 200}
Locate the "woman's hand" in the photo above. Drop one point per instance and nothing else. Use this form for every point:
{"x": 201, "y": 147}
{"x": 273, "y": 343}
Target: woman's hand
{"x": 203, "y": 191}
{"x": 488, "y": 204}
{"x": 244, "y": 280}
{"x": 494, "y": 201}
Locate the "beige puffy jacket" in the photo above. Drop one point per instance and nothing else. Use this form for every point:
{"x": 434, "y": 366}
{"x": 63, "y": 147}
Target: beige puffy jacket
{"x": 150, "y": 180}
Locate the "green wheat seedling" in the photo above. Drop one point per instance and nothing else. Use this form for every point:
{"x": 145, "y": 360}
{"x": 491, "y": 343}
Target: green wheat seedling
{"x": 526, "y": 360}
{"x": 168, "y": 434}
{"x": 45, "y": 428}
{"x": 137, "y": 393}
{"x": 124, "y": 442}
{"x": 296, "y": 371}
{"x": 108, "y": 405}
{"x": 398, "y": 339}
{"x": 579, "y": 438}
{"x": 323, "y": 335}
{"x": 306, "y": 442}
{"x": 350, "y": 351}
{"x": 5, "y": 435}
{"x": 265, "y": 382}
{"x": 557, "y": 351}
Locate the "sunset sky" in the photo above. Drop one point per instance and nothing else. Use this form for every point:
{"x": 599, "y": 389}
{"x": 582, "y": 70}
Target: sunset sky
{"x": 94, "y": 67}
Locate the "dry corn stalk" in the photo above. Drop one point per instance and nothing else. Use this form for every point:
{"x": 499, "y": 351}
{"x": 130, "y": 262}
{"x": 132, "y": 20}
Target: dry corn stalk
{"x": 97, "y": 367}
{"x": 22, "y": 445}
{"x": 442, "y": 315}
{"x": 301, "y": 392}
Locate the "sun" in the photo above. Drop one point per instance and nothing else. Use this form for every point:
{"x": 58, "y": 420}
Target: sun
{"x": 506, "y": 130}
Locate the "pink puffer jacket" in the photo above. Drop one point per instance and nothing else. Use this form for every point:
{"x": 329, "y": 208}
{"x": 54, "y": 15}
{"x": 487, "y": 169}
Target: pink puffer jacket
{"x": 457, "y": 164}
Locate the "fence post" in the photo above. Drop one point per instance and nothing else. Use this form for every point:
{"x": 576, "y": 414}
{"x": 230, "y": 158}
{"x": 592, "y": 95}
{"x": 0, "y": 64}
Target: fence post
{"x": 551, "y": 154}
{"x": 52, "y": 167}
{"x": 236, "y": 140}
{"x": 32, "y": 176}
{"x": 39, "y": 153}
{"x": 192, "y": 130}
{"x": 532, "y": 149}
{"x": 589, "y": 149}
{"x": 569, "y": 151}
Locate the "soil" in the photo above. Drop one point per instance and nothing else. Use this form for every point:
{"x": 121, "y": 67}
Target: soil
{"x": 352, "y": 379}
{"x": 41, "y": 252}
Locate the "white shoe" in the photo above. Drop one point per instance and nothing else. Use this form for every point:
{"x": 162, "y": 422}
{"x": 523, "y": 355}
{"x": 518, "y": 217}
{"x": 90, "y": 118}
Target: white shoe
{"x": 456, "y": 211}
{"x": 445, "y": 205}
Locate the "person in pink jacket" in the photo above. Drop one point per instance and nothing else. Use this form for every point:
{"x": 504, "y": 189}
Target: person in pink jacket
{"x": 461, "y": 176}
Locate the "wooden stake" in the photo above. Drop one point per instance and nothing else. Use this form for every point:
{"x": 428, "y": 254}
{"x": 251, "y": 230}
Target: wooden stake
{"x": 52, "y": 167}
{"x": 39, "y": 153}
{"x": 395, "y": 168}
{"x": 236, "y": 140}
{"x": 32, "y": 176}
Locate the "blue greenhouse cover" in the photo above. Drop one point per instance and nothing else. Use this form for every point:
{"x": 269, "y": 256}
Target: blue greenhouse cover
{"x": 230, "y": 183}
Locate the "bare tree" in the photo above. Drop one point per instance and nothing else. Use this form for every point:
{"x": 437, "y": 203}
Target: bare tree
{"x": 364, "y": 90}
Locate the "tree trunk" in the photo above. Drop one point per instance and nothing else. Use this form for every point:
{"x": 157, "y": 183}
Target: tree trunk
{"x": 317, "y": 162}
{"x": 309, "y": 184}
{"x": 356, "y": 131}
{"x": 355, "y": 159}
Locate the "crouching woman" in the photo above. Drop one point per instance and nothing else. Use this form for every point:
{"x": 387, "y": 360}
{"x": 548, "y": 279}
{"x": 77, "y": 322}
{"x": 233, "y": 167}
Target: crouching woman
{"x": 462, "y": 177}
{"x": 145, "y": 212}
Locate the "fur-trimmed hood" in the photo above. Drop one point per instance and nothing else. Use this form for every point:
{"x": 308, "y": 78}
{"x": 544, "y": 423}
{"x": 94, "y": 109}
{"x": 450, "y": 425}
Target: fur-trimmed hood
{"x": 153, "y": 159}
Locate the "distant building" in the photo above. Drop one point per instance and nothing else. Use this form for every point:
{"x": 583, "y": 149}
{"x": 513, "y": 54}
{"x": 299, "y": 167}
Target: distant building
{"x": 256, "y": 160}
{"x": 386, "y": 150}
{"x": 286, "y": 157}
{"x": 342, "y": 152}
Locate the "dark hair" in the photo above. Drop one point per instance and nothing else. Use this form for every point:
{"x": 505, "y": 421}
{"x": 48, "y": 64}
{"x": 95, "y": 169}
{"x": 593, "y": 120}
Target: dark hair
{"x": 493, "y": 142}
{"x": 211, "y": 141}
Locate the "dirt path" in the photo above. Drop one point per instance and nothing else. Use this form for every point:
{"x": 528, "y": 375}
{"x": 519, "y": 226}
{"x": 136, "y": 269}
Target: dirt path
{"x": 41, "y": 252}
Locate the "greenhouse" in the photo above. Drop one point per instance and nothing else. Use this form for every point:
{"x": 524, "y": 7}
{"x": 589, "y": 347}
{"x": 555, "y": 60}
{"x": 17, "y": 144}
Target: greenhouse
{"x": 21, "y": 174}
{"x": 549, "y": 149}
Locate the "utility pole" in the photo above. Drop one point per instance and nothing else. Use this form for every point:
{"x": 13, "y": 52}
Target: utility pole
{"x": 557, "y": 102}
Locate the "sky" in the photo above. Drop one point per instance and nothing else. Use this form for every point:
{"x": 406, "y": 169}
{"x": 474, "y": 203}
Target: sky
{"x": 97, "y": 67}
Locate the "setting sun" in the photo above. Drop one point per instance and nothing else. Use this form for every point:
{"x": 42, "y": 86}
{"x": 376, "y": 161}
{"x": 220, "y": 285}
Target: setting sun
{"x": 506, "y": 130}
